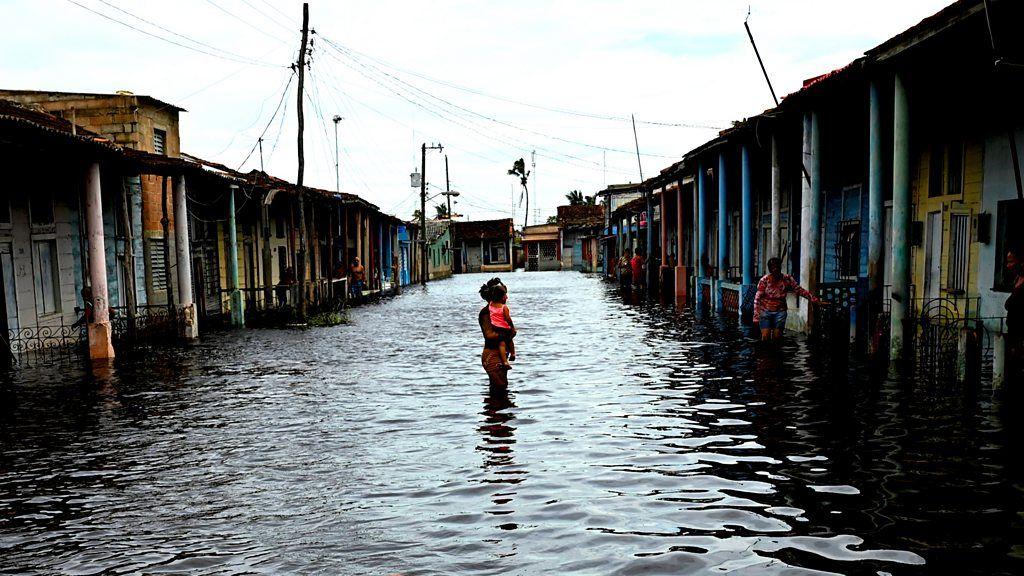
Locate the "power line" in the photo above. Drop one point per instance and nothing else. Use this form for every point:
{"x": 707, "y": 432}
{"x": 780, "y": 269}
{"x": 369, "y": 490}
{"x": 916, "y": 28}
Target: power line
{"x": 246, "y": 22}
{"x": 284, "y": 93}
{"x": 490, "y": 118}
{"x": 530, "y": 105}
{"x": 265, "y": 15}
{"x": 524, "y": 147}
{"x": 224, "y": 56}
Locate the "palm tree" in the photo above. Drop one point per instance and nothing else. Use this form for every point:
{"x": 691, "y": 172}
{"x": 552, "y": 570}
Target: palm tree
{"x": 590, "y": 200}
{"x": 575, "y": 198}
{"x": 416, "y": 215}
{"x": 519, "y": 169}
{"x": 441, "y": 211}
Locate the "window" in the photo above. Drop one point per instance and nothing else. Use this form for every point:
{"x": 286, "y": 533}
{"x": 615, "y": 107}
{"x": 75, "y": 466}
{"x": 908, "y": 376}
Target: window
{"x": 498, "y": 253}
{"x": 848, "y": 249}
{"x": 1009, "y": 215}
{"x": 157, "y": 251}
{"x": 41, "y": 208}
{"x": 5, "y": 208}
{"x": 47, "y": 277}
{"x": 946, "y": 169}
{"x": 959, "y": 242}
{"x": 279, "y": 226}
{"x": 159, "y": 141}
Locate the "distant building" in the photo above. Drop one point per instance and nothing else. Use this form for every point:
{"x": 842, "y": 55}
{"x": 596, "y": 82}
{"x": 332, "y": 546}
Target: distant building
{"x": 482, "y": 245}
{"x": 439, "y": 249}
{"x": 540, "y": 247}
{"x": 140, "y": 123}
{"x": 579, "y": 230}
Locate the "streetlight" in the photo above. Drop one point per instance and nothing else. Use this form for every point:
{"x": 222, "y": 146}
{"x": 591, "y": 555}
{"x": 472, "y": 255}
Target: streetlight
{"x": 337, "y": 173}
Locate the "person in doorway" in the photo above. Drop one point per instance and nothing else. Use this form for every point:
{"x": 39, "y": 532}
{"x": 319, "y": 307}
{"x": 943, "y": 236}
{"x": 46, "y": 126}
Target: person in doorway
{"x": 284, "y": 286}
{"x": 1015, "y": 316}
{"x": 501, "y": 320}
{"x": 625, "y": 274}
{"x": 357, "y": 277}
{"x": 490, "y": 358}
{"x": 770, "y": 311}
{"x": 637, "y": 266}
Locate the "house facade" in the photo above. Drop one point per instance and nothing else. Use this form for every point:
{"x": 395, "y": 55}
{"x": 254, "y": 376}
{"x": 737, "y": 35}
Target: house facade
{"x": 541, "y": 247}
{"x": 483, "y": 245}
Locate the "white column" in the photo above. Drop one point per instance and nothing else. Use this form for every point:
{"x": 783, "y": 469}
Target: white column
{"x": 183, "y": 252}
{"x": 100, "y": 334}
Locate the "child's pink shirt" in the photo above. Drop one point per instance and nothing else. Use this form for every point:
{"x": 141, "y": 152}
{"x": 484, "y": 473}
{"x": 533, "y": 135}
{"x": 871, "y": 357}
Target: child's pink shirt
{"x": 498, "y": 316}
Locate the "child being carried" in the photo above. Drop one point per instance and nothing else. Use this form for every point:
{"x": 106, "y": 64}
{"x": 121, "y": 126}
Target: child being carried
{"x": 501, "y": 320}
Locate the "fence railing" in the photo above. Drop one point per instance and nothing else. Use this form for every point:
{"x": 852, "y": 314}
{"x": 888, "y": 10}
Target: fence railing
{"x": 47, "y": 344}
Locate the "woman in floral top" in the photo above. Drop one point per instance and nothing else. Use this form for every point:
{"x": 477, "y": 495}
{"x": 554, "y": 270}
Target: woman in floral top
{"x": 770, "y": 300}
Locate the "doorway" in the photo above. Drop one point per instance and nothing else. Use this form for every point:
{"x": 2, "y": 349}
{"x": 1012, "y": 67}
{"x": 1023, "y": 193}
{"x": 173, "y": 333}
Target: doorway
{"x": 933, "y": 255}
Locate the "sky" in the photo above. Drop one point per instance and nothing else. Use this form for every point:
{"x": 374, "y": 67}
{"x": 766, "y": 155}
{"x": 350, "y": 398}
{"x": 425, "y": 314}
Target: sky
{"x": 490, "y": 81}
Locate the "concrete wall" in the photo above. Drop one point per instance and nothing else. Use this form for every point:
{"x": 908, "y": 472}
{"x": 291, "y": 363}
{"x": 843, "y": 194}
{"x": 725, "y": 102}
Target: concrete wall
{"x": 999, "y": 184}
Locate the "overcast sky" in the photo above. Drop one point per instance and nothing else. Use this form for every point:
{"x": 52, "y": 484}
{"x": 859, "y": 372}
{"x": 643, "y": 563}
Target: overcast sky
{"x": 491, "y": 81}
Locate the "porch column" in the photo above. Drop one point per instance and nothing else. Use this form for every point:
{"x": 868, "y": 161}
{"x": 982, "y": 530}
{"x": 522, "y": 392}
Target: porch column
{"x": 723, "y": 228}
{"x": 776, "y": 247}
{"x": 183, "y": 251}
{"x": 681, "y": 286}
{"x": 702, "y": 231}
{"x": 100, "y": 335}
{"x": 876, "y": 207}
{"x": 747, "y": 220}
{"x": 359, "y": 236}
{"x": 663, "y": 239}
{"x": 237, "y": 306}
{"x": 900, "y": 219}
{"x": 267, "y": 253}
{"x": 810, "y": 231}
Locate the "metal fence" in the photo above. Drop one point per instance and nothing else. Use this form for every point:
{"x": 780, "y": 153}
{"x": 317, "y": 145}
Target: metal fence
{"x": 48, "y": 344}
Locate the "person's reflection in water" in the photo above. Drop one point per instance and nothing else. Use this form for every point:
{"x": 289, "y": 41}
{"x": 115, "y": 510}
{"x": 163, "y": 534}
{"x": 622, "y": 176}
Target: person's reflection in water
{"x": 497, "y": 441}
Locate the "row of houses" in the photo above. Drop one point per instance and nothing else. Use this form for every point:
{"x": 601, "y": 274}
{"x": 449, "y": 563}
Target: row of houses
{"x": 890, "y": 187}
{"x": 109, "y": 233}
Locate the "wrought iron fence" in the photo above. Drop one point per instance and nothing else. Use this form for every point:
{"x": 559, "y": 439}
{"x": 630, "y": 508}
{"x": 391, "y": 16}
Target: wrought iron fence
{"x": 151, "y": 323}
{"x": 834, "y": 317}
{"x": 57, "y": 343}
{"x": 950, "y": 339}
{"x": 730, "y": 301}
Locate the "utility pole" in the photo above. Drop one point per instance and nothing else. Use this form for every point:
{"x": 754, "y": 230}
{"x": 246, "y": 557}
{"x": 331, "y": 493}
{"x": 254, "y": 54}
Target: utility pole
{"x": 533, "y": 171}
{"x": 337, "y": 158}
{"x": 423, "y": 209}
{"x": 301, "y": 264}
{"x": 260, "y": 142}
{"x": 447, "y": 187}
{"x": 647, "y": 206}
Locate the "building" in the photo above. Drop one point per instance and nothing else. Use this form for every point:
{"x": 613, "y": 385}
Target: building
{"x": 439, "y": 249}
{"x": 611, "y": 198}
{"x": 579, "y": 228}
{"x": 541, "y": 247}
{"x": 482, "y": 245}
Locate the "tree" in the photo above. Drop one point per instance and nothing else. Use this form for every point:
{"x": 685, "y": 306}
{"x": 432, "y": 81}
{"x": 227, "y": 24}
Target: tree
{"x": 590, "y": 200}
{"x": 552, "y": 219}
{"x": 575, "y": 198}
{"x": 441, "y": 211}
{"x": 519, "y": 170}
{"x": 416, "y": 215}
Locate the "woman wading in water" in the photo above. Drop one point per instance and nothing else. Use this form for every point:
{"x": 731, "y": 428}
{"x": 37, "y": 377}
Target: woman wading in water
{"x": 491, "y": 358}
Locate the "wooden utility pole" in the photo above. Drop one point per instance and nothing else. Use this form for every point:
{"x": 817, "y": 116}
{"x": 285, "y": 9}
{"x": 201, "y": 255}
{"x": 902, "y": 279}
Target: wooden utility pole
{"x": 423, "y": 215}
{"x": 447, "y": 187}
{"x": 301, "y": 264}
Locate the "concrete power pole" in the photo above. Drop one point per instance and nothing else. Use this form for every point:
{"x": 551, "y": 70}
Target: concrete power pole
{"x": 423, "y": 209}
{"x": 301, "y": 264}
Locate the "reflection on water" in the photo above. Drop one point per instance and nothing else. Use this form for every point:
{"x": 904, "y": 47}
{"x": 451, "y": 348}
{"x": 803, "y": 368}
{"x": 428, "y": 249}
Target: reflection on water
{"x": 633, "y": 440}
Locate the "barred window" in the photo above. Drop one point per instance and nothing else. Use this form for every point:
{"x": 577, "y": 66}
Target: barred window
{"x": 157, "y": 250}
{"x": 848, "y": 249}
{"x": 959, "y": 244}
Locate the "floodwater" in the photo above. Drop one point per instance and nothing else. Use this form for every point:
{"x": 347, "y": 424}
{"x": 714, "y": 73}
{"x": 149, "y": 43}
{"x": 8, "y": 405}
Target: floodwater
{"x": 632, "y": 440}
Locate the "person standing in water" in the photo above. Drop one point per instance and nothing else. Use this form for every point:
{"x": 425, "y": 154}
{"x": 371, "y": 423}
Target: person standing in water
{"x": 490, "y": 358}
{"x": 770, "y": 311}
{"x": 501, "y": 320}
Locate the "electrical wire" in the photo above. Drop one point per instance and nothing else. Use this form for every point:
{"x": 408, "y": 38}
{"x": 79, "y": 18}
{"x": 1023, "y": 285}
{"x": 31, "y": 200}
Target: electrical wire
{"x": 566, "y": 111}
{"x": 246, "y": 22}
{"x": 274, "y": 115}
{"x": 491, "y": 118}
{"x": 225, "y": 55}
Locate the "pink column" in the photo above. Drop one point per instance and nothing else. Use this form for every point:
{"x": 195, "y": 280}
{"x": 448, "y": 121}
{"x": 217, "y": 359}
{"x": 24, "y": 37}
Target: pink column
{"x": 681, "y": 277}
{"x": 100, "y": 334}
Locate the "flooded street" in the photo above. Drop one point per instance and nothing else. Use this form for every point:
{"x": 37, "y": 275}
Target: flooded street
{"x": 632, "y": 440}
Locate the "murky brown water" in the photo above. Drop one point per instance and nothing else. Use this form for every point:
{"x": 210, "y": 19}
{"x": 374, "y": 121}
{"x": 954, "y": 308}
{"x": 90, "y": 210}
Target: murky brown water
{"x": 632, "y": 441}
